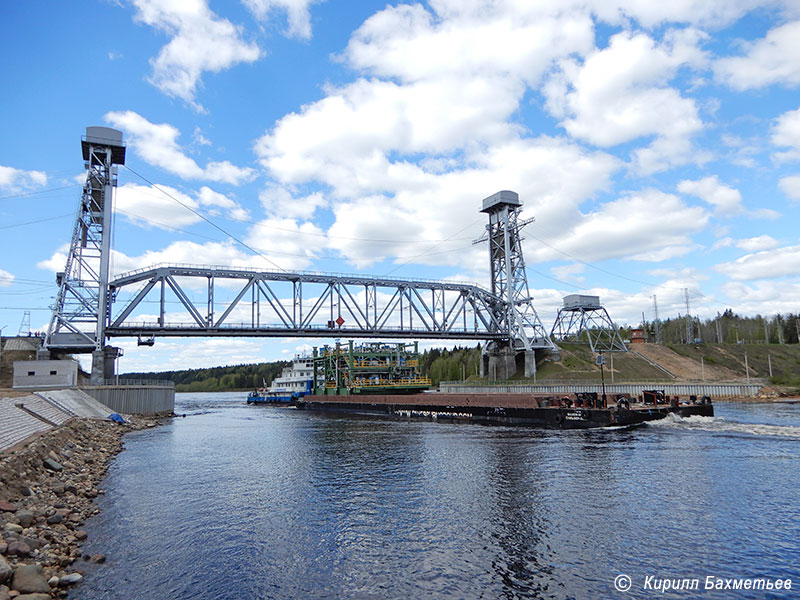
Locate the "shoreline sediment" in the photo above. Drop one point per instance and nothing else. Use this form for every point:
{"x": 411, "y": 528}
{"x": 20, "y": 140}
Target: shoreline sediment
{"x": 47, "y": 491}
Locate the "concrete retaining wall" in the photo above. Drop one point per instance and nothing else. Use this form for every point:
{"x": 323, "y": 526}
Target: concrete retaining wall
{"x": 715, "y": 390}
{"x": 134, "y": 399}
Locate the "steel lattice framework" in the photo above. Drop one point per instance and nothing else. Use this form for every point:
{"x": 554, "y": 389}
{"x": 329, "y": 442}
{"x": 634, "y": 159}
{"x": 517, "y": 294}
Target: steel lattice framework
{"x": 509, "y": 279}
{"x": 269, "y": 303}
{"x": 80, "y": 311}
{"x": 583, "y": 315}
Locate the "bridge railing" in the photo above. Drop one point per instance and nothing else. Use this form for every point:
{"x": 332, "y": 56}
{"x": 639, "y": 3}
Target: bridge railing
{"x": 246, "y": 270}
{"x": 118, "y": 381}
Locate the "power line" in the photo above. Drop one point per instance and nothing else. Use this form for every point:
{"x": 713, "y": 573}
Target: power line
{"x": 375, "y": 258}
{"x": 313, "y": 233}
{"x": 23, "y": 195}
{"x": 36, "y": 221}
{"x": 209, "y": 221}
{"x": 427, "y": 252}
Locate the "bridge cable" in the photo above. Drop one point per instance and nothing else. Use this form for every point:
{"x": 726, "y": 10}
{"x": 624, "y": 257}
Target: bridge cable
{"x": 207, "y": 220}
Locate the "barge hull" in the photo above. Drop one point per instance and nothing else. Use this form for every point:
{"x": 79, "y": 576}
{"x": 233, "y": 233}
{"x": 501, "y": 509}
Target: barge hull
{"x": 509, "y": 409}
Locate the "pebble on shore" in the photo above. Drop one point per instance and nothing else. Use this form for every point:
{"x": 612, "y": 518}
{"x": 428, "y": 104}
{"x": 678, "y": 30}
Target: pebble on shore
{"x": 47, "y": 489}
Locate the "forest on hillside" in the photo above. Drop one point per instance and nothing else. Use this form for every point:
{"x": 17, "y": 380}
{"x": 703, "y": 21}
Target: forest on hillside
{"x": 727, "y": 328}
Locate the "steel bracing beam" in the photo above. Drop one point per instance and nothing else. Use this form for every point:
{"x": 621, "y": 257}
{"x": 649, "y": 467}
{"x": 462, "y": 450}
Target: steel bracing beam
{"x": 593, "y": 323}
{"x": 279, "y": 304}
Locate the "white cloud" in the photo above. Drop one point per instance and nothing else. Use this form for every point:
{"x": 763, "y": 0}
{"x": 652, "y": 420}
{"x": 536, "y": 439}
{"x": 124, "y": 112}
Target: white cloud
{"x": 774, "y": 59}
{"x": 571, "y": 272}
{"x": 648, "y": 226}
{"x": 220, "y": 204}
{"x": 149, "y": 207}
{"x": 786, "y": 133}
{"x": 725, "y": 199}
{"x": 289, "y": 244}
{"x": 619, "y": 94}
{"x": 709, "y": 13}
{"x": 791, "y": 186}
{"x": 157, "y": 145}
{"x": 767, "y": 264}
{"x": 6, "y": 278}
{"x": 761, "y": 242}
{"x": 201, "y": 41}
{"x": 166, "y": 207}
{"x": 280, "y": 202}
{"x": 297, "y": 12}
{"x": 465, "y": 38}
{"x": 57, "y": 261}
{"x": 763, "y": 297}
{"x": 435, "y": 216}
{"x": 345, "y": 138}
{"x": 16, "y": 180}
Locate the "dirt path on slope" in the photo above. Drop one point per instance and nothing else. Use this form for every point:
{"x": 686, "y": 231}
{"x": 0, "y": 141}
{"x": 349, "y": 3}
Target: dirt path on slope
{"x": 683, "y": 368}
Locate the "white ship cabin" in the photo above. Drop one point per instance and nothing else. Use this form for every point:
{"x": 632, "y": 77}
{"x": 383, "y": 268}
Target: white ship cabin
{"x": 294, "y": 377}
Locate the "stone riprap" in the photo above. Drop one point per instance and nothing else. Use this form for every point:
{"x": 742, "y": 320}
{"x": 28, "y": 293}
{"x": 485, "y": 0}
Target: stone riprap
{"x": 42, "y": 508}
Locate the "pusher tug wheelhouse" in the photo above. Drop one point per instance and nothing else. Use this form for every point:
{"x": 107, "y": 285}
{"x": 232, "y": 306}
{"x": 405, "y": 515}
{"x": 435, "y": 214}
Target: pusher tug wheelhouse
{"x": 293, "y": 383}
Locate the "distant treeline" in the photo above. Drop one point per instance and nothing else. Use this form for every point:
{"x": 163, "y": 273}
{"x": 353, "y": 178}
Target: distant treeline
{"x": 218, "y": 379}
{"x": 729, "y": 328}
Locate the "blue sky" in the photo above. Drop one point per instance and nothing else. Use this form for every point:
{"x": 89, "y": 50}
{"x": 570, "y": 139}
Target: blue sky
{"x": 656, "y": 144}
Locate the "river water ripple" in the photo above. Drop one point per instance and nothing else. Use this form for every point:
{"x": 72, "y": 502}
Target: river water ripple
{"x": 238, "y": 501}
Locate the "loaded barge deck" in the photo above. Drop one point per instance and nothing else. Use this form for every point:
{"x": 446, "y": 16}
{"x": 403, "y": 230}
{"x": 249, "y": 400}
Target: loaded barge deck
{"x": 508, "y": 409}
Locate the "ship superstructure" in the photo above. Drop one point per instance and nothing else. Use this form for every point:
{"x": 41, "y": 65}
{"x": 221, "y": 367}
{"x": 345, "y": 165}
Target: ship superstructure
{"x": 368, "y": 368}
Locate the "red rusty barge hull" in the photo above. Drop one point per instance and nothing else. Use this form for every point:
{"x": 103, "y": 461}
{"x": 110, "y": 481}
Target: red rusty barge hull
{"x": 510, "y": 409}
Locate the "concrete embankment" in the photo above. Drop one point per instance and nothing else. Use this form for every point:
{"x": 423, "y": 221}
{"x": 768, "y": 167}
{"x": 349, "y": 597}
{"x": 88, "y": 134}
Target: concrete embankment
{"x": 52, "y": 461}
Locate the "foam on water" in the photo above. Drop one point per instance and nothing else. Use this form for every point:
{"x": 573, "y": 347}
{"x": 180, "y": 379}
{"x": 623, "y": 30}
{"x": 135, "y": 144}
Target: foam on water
{"x": 722, "y": 425}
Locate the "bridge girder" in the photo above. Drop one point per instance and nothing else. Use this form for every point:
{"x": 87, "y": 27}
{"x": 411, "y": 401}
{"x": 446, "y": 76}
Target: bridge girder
{"x": 281, "y": 304}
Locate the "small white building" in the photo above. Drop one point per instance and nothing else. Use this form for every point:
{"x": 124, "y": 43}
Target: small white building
{"x": 45, "y": 374}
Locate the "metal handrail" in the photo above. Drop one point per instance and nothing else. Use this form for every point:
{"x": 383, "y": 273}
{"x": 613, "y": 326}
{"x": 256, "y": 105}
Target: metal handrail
{"x": 118, "y": 381}
{"x": 268, "y": 271}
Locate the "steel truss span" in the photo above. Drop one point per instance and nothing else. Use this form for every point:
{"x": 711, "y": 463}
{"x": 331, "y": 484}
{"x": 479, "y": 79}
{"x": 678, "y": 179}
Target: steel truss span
{"x": 281, "y": 304}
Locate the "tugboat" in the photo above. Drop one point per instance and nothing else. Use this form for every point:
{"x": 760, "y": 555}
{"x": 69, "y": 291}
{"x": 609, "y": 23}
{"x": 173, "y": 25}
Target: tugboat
{"x": 293, "y": 383}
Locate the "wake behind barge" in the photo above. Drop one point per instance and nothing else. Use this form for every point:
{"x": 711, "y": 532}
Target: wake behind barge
{"x": 384, "y": 379}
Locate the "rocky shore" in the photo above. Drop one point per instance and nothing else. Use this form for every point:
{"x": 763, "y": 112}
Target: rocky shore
{"x": 47, "y": 488}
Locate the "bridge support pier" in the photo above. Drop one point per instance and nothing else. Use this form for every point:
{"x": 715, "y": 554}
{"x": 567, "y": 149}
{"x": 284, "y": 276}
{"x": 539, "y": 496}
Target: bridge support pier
{"x": 498, "y": 362}
{"x": 103, "y": 363}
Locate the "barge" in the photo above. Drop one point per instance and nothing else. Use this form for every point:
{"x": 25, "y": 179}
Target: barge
{"x": 384, "y": 379}
{"x": 563, "y": 412}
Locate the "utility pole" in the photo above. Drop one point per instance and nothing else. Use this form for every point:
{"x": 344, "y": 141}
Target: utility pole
{"x": 658, "y": 322}
{"x": 719, "y": 328}
{"x": 601, "y": 361}
{"x": 689, "y": 331}
{"x": 746, "y": 368}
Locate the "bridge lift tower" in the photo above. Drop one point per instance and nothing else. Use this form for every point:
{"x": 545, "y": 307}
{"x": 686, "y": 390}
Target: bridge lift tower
{"x": 510, "y": 283}
{"x": 80, "y": 312}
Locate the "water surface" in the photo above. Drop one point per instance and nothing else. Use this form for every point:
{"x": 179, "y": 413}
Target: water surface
{"x": 238, "y": 501}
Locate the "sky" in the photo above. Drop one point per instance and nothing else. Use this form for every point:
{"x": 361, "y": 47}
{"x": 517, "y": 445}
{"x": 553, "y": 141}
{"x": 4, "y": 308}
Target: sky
{"x": 656, "y": 145}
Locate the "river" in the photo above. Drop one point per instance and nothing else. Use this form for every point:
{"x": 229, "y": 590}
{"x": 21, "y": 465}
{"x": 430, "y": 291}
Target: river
{"x": 251, "y": 502}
